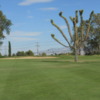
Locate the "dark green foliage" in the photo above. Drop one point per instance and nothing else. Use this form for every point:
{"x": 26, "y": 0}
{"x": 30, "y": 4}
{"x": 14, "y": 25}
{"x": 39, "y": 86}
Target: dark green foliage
{"x": 91, "y": 15}
{"x": 29, "y": 53}
{"x": 1, "y": 43}
{"x": 13, "y": 54}
{"x": 76, "y": 16}
{"x": 0, "y": 55}
{"x": 51, "y": 21}
{"x": 43, "y": 54}
{"x": 60, "y": 14}
{"x": 20, "y": 53}
{"x": 81, "y": 12}
{"x": 9, "y": 49}
{"x": 93, "y": 44}
{"x": 4, "y": 26}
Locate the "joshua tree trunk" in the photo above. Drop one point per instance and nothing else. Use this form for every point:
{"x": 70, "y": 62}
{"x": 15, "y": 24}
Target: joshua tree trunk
{"x": 75, "y": 53}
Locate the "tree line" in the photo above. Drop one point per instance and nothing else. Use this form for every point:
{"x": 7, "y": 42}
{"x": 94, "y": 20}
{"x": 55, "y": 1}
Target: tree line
{"x": 24, "y": 53}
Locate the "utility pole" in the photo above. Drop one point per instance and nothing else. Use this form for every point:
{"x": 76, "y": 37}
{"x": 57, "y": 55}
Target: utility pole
{"x": 37, "y": 46}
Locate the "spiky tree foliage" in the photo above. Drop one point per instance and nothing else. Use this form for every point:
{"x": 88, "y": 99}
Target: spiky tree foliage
{"x": 75, "y": 37}
{"x": 9, "y": 49}
{"x": 4, "y": 26}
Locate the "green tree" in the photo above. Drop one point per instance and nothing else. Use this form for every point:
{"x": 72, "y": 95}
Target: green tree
{"x": 4, "y": 26}
{"x": 0, "y": 55}
{"x": 43, "y": 54}
{"x": 9, "y": 49}
{"x": 94, "y": 38}
{"x": 77, "y": 40}
{"x": 20, "y": 53}
{"x": 29, "y": 53}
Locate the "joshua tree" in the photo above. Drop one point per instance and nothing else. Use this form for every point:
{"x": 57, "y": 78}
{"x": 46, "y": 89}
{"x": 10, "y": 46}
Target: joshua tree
{"x": 77, "y": 38}
{"x": 9, "y": 49}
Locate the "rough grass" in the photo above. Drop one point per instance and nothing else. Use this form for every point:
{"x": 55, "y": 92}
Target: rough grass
{"x": 50, "y": 79}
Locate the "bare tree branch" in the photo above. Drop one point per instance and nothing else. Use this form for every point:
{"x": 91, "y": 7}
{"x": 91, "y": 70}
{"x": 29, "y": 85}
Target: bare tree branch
{"x": 68, "y": 26}
{"x": 53, "y": 36}
{"x": 52, "y": 22}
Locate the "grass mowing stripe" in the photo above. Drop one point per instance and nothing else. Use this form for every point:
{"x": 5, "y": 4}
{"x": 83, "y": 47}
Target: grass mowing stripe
{"x": 49, "y": 79}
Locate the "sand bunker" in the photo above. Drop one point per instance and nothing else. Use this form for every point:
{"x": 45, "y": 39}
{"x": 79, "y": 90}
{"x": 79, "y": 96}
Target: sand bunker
{"x": 29, "y": 58}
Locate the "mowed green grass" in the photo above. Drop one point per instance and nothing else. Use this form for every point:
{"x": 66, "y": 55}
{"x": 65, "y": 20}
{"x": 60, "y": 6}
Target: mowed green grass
{"x": 50, "y": 79}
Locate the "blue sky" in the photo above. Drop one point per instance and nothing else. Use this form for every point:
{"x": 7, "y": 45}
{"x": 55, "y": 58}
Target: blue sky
{"x": 31, "y": 20}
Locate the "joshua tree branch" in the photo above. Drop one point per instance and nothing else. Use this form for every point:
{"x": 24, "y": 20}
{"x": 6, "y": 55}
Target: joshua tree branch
{"x": 81, "y": 24}
{"x": 53, "y": 36}
{"x": 68, "y": 26}
{"x": 88, "y": 27}
{"x": 76, "y": 13}
{"x": 87, "y": 32}
{"x": 60, "y": 32}
{"x": 75, "y": 32}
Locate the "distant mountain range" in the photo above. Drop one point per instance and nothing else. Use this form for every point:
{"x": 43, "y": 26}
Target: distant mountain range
{"x": 53, "y": 51}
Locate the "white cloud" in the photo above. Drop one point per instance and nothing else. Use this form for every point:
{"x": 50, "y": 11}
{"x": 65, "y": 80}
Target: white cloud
{"x": 23, "y": 39}
{"x": 22, "y": 33}
{"x": 63, "y": 27}
{"x": 23, "y": 36}
{"x": 48, "y": 9}
{"x": 30, "y": 17}
{"x": 29, "y": 2}
{"x": 19, "y": 24}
